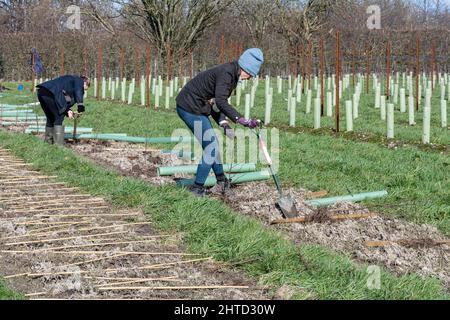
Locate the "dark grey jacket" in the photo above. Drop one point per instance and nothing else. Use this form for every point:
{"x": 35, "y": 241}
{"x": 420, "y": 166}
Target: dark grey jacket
{"x": 218, "y": 83}
{"x": 67, "y": 90}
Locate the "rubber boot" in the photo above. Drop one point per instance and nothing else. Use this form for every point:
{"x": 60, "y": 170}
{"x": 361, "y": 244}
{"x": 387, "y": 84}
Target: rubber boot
{"x": 223, "y": 185}
{"x": 198, "y": 190}
{"x": 58, "y": 135}
{"x": 49, "y": 135}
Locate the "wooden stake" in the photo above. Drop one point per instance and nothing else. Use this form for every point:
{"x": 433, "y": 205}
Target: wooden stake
{"x": 310, "y": 48}
{"x": 322, "y": 71}
{"x": 367, "y": 69}
{"x": 33, "y": 89}
{"x": 303, "y": 68}
{"x": 173, "y": 288}
{"x": 168, "y": 279}
{"x": 160, "y": 265}
{"x": 353, "y": 67}
{"x": 191, "y": 63}
{"x": 151, "y": 239}
{"x": 417, "y": 72}
{"x": 388, "y": 68}
{"x": 51, "y": 202}
{"x": 318, "y": 194}
{"x": 85, "y": 215}
{"x": 40, "y": 185}
{"x": 137, "y": 253}
{"x": 45, "y": 196}
{"x": 374, "y": 244}
{"x": 137, "y": 67}
{"x": 62, "y": 71}
{"x": 99, "y": 70}
{"x": 67, "y": 238}
{"x": 44, "y": 222}
{"x": 36, "y": 234}
{"x": 338, "y": 76}
{"x": 222, "y": 50}
{"x": 148, "y": 78}
{"x": 55, "y": 209}
{"x": 334, "y": 217}
{"x": 35, "y": 294}
{"x": 90, "y": 261}
{"x": 122, "y": 57}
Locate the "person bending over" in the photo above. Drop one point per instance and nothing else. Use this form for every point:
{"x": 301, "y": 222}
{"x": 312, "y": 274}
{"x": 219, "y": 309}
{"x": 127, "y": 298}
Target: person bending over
{"x": 57, "y": 97}
{"x": 195, "y": 105}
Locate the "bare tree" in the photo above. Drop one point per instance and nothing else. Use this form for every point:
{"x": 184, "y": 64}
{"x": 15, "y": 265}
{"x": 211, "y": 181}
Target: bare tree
{"x": 301, "y": 19}
{"x": 257, "y": 15}
{"x": 177, "y": 24}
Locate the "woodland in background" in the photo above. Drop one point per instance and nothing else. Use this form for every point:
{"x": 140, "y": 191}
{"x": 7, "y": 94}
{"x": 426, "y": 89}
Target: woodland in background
{"x": 196, "y": 34}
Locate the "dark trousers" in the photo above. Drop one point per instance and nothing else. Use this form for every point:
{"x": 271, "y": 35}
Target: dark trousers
{"x": 202, "y": 129}
{"x": 50, "y": 108}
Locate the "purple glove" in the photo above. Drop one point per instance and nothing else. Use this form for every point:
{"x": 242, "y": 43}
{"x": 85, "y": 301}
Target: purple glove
{"x": 252, "y": 123}
{"x": 229, "y": 132}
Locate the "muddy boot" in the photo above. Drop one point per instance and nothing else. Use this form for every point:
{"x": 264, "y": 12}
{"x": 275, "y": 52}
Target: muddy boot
{"x": 198, "y": 190}
{"x": 58, "y": 135}
{"x": 223, "y": 185}
{"x": 49, "y": 135}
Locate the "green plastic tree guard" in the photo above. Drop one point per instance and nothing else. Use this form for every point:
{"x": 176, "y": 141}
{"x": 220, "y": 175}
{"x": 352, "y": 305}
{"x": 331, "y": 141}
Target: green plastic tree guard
{"x": 35, "y": 129}
{"x": 95, "y": 136}
{"x": 191, "y": 169}
{"x": 349, "y": 198}
{"x": 235, "y": 179}
{"x": 125, "y": 138}
{"x": 180, "y": 154}
{"x": 29, "y": 117}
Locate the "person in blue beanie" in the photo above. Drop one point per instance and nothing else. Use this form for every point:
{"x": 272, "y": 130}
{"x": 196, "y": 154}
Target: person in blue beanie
{"x": 207, "y": 95}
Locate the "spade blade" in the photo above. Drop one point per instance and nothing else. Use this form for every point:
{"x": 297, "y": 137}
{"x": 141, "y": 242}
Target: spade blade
{"x": 287, "y": 207}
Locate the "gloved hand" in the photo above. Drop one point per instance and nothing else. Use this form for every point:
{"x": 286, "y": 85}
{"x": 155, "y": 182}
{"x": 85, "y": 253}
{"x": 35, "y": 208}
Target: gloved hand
{"x": 252, "y": 123}
{"x": 70, "y": 114}
{"x": 81, "y": 108}
{"x": 229, "y": 132}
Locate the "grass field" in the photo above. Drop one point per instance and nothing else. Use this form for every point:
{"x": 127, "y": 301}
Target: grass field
{"x": 8, "y": 294}
{"x": 368, "y": 123}
{"x": 212, "y": 228}
{"x": 418, "y": 182}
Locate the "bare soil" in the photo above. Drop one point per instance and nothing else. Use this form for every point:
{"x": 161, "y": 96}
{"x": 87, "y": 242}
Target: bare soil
{"x": 346, "y": 237}
{"x": 65, "y": 244}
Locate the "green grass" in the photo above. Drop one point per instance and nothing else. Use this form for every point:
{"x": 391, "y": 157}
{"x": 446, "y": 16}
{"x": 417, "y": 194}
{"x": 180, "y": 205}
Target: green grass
{"x": 212, "y": 228}
{"x": 418, "y": 181}
{"x": 369, "y": 121}
{"x": 8, "y": 294}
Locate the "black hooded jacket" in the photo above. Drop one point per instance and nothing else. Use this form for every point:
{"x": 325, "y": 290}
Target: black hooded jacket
{"x": 67, "y": 90}
{"x": 218, "y": 83}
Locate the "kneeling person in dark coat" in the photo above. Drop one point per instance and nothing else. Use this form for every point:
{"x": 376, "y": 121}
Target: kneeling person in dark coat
{"x": 57, "y": 97}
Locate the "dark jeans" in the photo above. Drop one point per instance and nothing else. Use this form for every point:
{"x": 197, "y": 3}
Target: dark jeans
{"x": 50, "y": 108}
{"x": 202, "y": 129}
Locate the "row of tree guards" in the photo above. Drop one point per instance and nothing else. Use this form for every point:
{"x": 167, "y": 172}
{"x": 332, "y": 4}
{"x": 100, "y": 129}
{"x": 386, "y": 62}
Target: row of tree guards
{"x": 312, "y": 66}
{"x": 305, "y": 58}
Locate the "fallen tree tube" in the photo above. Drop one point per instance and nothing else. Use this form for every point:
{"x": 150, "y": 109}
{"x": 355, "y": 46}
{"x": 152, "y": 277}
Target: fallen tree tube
{"x": 66, "y": 129}
{"x": 235, "y": 179}
{"x": 30, "y": 117}
{"x": 13, "y": 107}
{"x": 125, "y": 138}
{"x": 348, "y": 198}
{"x": 180, "y": 154}
{"x": 13, "y": 113}
{"x": 14, "y": 123}
{"x": 94, "y": 136}
{"x": 191, "y": 169}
